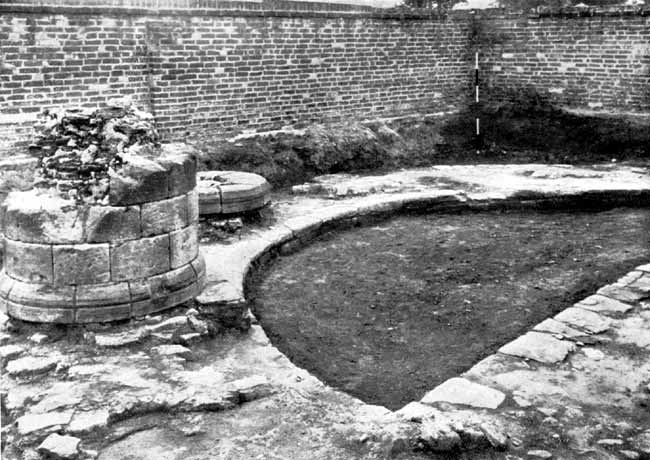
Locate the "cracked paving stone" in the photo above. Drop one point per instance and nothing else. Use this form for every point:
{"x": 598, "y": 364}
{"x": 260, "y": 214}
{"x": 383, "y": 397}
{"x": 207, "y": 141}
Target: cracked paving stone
{"x": 602, "y": 304}
{"x": 622, "y": 293}
{"x": 584, "y": 319}
{"x": 458, "y": 390}
{"x": 555, "y": 327}
{"x": 539, "y": 347}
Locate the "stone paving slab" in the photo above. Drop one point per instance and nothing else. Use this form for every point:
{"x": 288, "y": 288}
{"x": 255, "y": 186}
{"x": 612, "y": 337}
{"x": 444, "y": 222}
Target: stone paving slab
{"x": 239, "y": 397}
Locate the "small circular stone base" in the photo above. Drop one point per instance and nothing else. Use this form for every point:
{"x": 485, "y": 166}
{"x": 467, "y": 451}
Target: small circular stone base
{"x": 92, "y": 303}
{"x": 228, "y": 192}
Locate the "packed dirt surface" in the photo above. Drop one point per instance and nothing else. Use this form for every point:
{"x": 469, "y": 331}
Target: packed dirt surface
{"x": 388, "y": 312}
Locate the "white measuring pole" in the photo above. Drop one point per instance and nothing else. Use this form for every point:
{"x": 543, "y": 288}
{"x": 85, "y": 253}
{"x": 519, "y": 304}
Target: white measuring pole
{"x": 478, "y": 123}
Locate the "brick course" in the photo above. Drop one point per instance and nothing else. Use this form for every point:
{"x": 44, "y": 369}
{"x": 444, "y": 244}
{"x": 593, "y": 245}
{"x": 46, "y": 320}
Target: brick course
{"x": 228, "y": 67}
{"x": 595, "y": 60}
{"x": 226, "y": 71}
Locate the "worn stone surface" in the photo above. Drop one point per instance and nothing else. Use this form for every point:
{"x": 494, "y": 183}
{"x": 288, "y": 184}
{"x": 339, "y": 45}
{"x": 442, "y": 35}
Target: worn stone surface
{"x": 139, "y": 258}
{"x": 164, "y": 216}
{"x": 31, "y": 423}
{"x": 219, "y": 292}
{"x": 602, "y": 304}
{"x": 438, "y": 436}
{"x": 39, "y": 216}
{"x": 119, "y": 339}
{"x": 584, "y": 319}
{"x": 30, "y": 365}
{"x": 11, "y": 351}
{"x": 183, "y": 246}
{"x": 81, "y": 264}
{"x": 30, "y": 262}
{"x": 105, "y": 224}
{"x": 87, "y": 421}
{"x": 231, "y": 191}
{"x": 139, "y": 181}
{"x": 60, "y": 447}
{"x": 539, "y": 453}
{"x": 622, "y": 293}
{"x": 179, "y": 160}
{"x": 462, "y": 391}
{"x": 558, "y": 329}
{"x": 538, "y": 346}
{"x": 174, "y": 350}
{"x": 103, "y": 294}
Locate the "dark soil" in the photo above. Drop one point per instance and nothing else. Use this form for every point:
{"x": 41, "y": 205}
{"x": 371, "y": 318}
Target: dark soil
{"x": 388, "y": 312}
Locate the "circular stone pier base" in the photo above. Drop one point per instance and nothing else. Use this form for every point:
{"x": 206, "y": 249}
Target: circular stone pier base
{"x": 70, "y": 262}
{"x": 229, "y": 192}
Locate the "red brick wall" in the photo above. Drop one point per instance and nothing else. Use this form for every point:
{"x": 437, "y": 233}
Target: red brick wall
{"x": 598, "y": 61}
{"x": 225, "y": 71}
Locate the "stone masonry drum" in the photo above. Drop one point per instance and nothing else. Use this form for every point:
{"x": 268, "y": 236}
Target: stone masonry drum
{"x": 133, "y": 254}
{"x": 228, "y": 192}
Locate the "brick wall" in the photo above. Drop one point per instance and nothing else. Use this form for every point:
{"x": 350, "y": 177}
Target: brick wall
{"x": 598, "y": 60}
{"x": 226, "y": 71}
{"x": 228, "y": 67}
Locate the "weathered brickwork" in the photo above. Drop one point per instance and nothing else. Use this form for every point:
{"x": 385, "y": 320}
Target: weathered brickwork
{"x": 598, "y": 62}
{"x": 226, "y": 67}
{"x": 227, "y": 72}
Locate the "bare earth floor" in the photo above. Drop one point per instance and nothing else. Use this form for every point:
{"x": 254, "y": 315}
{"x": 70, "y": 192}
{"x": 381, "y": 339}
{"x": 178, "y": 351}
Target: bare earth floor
{"x": 403, "y": 305}
{"x": 574, "y": 386}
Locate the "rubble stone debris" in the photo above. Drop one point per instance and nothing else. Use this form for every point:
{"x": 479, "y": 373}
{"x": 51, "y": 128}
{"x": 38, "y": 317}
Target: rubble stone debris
{"x": 77, "y": 147}
{"x": 110, "y": 230}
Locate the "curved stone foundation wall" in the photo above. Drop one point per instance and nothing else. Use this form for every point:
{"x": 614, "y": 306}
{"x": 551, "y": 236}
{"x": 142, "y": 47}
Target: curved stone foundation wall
{"x": 71, "y": 263}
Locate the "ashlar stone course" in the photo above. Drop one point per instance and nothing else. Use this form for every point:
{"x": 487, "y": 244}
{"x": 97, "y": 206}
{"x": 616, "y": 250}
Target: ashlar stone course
{"x": 81, "y": 264}
{"x": 140, "y": 258}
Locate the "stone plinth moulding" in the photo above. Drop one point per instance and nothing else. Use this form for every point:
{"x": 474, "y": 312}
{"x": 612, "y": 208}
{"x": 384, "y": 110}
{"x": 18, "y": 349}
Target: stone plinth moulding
{"x": 133, "y": 254}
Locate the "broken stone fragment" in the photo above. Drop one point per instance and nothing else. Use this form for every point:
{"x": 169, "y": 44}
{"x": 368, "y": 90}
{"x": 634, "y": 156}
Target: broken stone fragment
{"x": 60, "y": 447}
{"x": 190, "y": 339}
{"x": 539, "y": 347}
{"x": 10, "y": 351}
{"x": 85, "y": 422}
{"x": 602, "y": 304}
{"x": 174, "y": 350}
{"x": 416, "y": 412}
{"x": 139, "y": 180}
{"x": 584, "y": 319}
{"x": 495, "y": 436}
{"x": 38, "y": 338}
{"x": 252, "y": 388}
{"x": 461, "y": 391}
{"x": 31, "y": 423}
{"x": 438, "y": 436}
{"x": 120, "y": 339}
{"x": 29, "y": 366}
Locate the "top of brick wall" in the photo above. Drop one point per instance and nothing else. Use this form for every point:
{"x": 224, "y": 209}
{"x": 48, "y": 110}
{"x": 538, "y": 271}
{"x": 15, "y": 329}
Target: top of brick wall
{"x": 290, "y": 8}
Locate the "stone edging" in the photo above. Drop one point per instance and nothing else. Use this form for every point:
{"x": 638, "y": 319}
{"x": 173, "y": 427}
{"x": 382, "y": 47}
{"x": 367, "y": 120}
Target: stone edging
{"x": 298, "y": 231}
